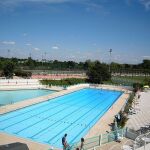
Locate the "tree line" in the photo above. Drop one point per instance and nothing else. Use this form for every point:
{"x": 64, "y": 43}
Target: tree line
{"x": 30, "y": 63}
{"x": 94, "y": 69}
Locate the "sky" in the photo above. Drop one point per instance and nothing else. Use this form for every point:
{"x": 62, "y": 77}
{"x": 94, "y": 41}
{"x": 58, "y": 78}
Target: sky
{"x": 76, "y": 30}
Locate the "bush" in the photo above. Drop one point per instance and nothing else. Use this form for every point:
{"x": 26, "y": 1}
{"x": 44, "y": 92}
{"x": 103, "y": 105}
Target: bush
{"x": 23, "y": 74}
{"x": 63, "y": 82}
{"x": 8, "y": 69}
{"x": 123, "y": 115}
{"x": 147, "y": 81}
{"x": 129, "y": 103}
{"x": 123, "y": 121}
{"x": 137, "y": 86}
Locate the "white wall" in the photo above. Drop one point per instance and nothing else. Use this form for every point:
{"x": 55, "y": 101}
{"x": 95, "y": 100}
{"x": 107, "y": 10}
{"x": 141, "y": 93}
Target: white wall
{"x": 77, "y": 86}
{"x": 19, "y": 83}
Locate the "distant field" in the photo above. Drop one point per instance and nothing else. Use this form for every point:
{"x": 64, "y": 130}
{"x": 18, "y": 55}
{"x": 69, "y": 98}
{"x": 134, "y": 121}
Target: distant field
{"x": 128, "y": 80}
{"x": 134, "y": 78}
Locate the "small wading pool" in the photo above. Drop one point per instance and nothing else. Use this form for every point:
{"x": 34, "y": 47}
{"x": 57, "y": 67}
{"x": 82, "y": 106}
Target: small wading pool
{"x": 9, "y": 97}
{"x": 73, "y": 113}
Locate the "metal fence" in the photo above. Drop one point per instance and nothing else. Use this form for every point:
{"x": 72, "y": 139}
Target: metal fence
{"x": 101, "y": 139}
{"x": 140, "y": 140}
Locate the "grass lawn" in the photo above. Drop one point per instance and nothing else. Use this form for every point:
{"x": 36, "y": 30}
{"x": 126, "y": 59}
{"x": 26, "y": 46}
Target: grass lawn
{"x": 127, "y": 80}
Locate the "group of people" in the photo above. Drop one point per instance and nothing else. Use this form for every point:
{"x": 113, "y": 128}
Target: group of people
{"x": 66, "y": 145}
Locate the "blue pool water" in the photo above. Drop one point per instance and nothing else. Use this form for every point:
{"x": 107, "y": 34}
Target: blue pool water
{"x": 8, "y": 97}
{"x": 47, "y": 122}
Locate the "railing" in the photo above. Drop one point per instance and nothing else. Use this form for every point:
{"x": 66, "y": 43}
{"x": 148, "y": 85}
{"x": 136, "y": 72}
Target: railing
{"x": 19, "y": 84}
{"x": 131, "y": 134}
{"x": 101, "y": 139}
{"x": 141, "y": 141}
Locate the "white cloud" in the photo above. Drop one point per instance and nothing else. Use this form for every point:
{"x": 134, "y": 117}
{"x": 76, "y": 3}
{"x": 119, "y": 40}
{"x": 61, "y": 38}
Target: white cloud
{"x": 49, "y": 1}
{"x": 146, "y": 57}
{"x": 8, "y": 42}
{"x": 15, "y": 2}
{"x": 94, "y": 44}
{"x": 92, "y": 5}
{"x": 72, "y": 56}
{"x": 28, "y": 44}
{"x": 55, "y": 47}
{"x": 89, "y": 5}
{"x": 10, "y": 5}
{"x": 146, "y": 3}
{"x": 36, "y": 49}
{"x": 24, "y": 34}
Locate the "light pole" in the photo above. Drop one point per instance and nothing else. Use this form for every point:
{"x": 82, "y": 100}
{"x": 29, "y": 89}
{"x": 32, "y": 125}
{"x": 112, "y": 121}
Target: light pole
{"x": 45, "y": 56}
{"x": 110, "y": 51}
{"x": 42, "y": 61}
{"x": 8, "y": 53}
{"x": 30, "y": 55}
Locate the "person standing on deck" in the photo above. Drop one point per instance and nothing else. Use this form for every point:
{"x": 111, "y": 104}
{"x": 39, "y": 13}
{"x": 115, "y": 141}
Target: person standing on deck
{"x": 64, "y": 142}
{"x": 82, "y": 144}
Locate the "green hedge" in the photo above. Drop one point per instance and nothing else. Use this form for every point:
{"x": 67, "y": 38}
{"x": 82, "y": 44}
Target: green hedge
{"x": 63, "y": 82}
{"x": 129, "y": 103}
{"x": 23, "y": 74}
{"x": 147, "y": 81}
{"x": 124, "y": 114}
{"x": 123, "y": 120}
{"x": 137, "y": 87}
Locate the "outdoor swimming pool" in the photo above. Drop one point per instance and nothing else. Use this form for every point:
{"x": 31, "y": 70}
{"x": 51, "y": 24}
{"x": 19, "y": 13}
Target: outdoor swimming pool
{"x": 47, "y": 122}
{"x": 9, "y": 97}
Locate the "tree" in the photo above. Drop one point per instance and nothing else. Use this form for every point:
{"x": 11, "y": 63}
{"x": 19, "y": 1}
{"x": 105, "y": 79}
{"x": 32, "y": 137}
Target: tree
{"x": 71, "y": 64}
{"x": 98, "y": 73}
{"x": 146, "y": 64}
{"x": 87, "y": 64}
{"x": 24, "y": 74}
{"x": 8, "y": 69}
{"x": 31, "y": 63}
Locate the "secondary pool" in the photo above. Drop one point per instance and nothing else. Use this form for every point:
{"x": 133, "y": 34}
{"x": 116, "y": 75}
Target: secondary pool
{"x": 9, "y": 97}
{"x": 47, "y": 122}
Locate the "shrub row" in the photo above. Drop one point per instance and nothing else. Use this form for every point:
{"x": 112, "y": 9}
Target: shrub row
{"x": 63, "y": 82}
{"x": 23, "y": 74}
{"x": 124, "y": 114}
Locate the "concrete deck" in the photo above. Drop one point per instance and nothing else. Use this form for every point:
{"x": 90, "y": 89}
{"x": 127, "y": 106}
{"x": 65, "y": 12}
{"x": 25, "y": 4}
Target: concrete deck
{"x": 142, "y": 109}
{"x": 7, "y": 138}
{"x": 115, "y": 145}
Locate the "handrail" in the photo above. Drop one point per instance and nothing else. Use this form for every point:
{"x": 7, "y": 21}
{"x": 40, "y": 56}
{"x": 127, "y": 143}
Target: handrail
{"x": 100, "y": 139}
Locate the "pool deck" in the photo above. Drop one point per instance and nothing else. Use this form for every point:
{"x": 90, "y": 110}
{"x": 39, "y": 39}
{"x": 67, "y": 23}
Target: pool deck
{"x": 100, "y": 127}
{"x": 141, "y": 105}
{"x": 115, "y": 145}
{"x": 7, "y": 138}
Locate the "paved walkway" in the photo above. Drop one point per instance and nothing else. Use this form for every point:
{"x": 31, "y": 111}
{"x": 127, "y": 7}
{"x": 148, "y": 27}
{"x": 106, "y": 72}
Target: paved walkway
{"x": 6, "y": 139}
{"x": 115, "y": 145}
{"x": 142, "y": 116}
{"x": 147, "y": 147}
